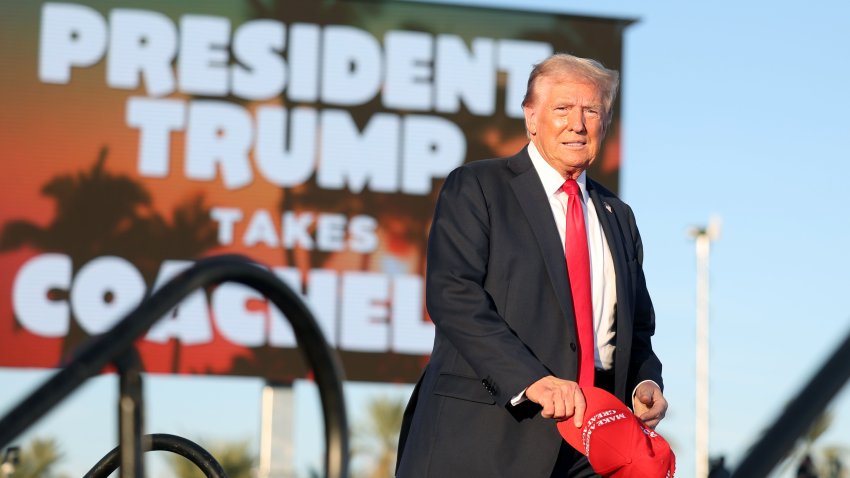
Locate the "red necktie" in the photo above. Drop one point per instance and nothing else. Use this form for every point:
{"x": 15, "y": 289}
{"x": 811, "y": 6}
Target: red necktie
{"x": 578, "y": 272}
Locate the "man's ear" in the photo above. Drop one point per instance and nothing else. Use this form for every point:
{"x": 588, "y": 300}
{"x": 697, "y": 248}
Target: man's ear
{"x": 530, "y": 117}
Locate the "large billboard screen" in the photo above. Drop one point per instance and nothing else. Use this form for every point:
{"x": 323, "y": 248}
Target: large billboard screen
{"x": 312, "y": 137}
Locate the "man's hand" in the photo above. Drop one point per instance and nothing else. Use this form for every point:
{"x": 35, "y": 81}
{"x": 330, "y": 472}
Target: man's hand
{"x": 650, "y": 404}
{"x": 560, "y": 399}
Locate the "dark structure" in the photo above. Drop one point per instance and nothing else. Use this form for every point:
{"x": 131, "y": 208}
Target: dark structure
{"x": 117, "y": 347}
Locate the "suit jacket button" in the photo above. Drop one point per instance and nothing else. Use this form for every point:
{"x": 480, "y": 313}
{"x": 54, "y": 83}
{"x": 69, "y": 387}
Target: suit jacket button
{"x": 573, "y": 346}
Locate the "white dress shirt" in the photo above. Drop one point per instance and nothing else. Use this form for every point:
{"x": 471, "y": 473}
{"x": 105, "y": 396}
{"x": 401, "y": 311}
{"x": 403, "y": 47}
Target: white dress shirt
{"x": 603, "y": 277}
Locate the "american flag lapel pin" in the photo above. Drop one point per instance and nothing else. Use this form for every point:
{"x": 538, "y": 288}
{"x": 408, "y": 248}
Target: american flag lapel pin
{"x": 607, "y": 207}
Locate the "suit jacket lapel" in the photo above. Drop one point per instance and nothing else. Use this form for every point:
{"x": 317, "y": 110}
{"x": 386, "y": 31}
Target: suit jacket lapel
{"x": 608, "y": 218}
{"x": 535, "y": 205}
{"x": 607, "y": 215}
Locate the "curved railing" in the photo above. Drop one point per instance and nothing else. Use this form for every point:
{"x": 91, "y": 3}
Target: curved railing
{"x": 117, "y": 347}
{"x": 163, "y": 442}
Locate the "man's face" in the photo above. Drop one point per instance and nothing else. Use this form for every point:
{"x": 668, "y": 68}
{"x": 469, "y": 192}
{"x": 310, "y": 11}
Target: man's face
{"x": 566, "y": 122}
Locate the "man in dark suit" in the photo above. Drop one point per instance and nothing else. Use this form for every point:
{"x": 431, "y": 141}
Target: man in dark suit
{"x": 507, "y": 355}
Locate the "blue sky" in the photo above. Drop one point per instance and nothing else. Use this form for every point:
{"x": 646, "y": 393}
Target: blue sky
{"x": 734, "y": 109}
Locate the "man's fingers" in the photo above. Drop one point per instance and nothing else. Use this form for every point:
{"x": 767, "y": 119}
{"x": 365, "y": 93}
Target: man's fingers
{"x": 653, "y": 415}
{"x": 650, "y": 419}
{"x": 651, "y": 423}
{"x": 555, "y": 396}
{"x": 548, "y": 408}
{"x": 561, "y": 408}
{"x": 580, "y": 406}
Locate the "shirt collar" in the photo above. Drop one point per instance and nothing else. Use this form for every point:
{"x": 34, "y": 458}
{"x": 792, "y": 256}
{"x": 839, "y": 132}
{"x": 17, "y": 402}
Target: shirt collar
{"x": 551, "y": 178}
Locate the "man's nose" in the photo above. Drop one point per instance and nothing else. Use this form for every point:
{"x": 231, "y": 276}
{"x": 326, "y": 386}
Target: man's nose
{"x": 575, "y": 120}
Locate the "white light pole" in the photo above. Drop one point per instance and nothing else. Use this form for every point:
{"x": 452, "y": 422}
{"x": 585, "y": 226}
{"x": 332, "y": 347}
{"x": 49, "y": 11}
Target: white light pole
{"x": 703, "y": 236}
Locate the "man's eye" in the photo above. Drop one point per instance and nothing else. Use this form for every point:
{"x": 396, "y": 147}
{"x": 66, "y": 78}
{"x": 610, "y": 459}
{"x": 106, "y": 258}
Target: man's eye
{"x": 592, "y": 113}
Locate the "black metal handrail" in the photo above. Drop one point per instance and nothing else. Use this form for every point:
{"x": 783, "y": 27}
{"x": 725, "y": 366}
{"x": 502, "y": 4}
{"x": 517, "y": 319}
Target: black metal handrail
{"x": 116, "y": 347}
{"x": 798, "y": 416}
{"x": 163, "y": 442}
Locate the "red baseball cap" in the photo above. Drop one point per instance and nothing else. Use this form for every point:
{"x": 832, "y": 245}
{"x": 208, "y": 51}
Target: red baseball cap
{"x": 616, "y": 442}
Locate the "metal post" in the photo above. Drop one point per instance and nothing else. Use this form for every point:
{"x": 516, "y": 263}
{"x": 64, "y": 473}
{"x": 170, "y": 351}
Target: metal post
{"x": 703, "y": 237}
{"x": 130, "y": 418}
{"x": 277, "y": 441}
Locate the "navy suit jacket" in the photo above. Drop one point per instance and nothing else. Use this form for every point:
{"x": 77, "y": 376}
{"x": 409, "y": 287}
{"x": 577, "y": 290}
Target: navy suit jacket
{"x": 498, "y": 294}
